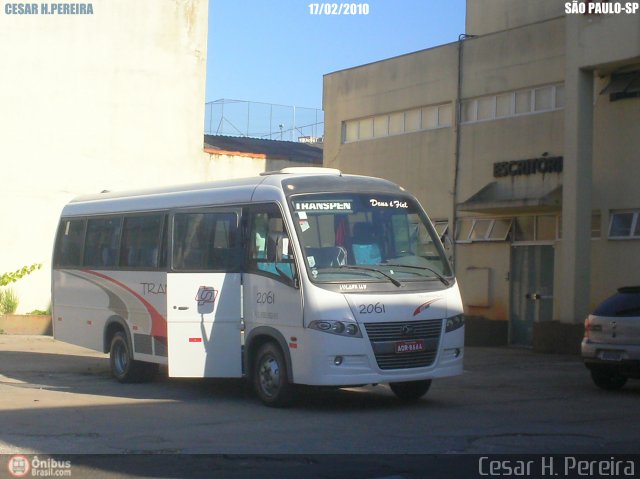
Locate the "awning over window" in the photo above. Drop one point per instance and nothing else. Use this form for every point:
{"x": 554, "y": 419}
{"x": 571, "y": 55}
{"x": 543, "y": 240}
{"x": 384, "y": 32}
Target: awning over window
{"x": 623, "y": 85}
{"x": 496, "y": 200}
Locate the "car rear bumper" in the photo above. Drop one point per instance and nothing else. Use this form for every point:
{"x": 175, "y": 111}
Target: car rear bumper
{"x": 625, "y": 359}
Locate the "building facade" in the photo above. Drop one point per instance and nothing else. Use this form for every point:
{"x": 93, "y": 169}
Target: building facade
{"x": 521, "y": 142}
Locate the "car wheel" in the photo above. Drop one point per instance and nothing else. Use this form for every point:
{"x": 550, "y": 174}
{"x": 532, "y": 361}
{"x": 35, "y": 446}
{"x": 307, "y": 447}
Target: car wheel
{"x": 410, "y": 391}
{"x": 606, "y": 379}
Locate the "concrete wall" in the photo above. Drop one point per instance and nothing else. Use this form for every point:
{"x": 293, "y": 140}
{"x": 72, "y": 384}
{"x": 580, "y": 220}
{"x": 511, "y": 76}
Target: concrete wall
{"x": 487, "y": 16}
{"x": 525, "y": 57}
{"x": 113, "y": 100}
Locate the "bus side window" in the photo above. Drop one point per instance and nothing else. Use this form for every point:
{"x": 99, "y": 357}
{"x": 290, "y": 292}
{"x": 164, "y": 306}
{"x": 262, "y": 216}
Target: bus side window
{"x": 141, "y": 241}
{"x": 269, "y": 249}
{"x": 102, "y": 242}
{"x": 206, "y": 241}
{"x": 69, "y": 244}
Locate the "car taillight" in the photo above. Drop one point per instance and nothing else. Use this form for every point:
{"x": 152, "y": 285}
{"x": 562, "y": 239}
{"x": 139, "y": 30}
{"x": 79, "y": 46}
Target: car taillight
{"x": 587, "y": 327}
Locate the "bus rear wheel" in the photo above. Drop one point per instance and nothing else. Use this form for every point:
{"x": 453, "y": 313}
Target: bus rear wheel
{"x": 410, "y": 391}
{"x": 123, "y": 367}
{"x": 270, "y": 379}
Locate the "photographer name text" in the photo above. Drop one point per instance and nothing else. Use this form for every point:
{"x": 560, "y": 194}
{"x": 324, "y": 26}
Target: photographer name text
{"x": 552, "y": 466}
{"x": 48, "y": 9}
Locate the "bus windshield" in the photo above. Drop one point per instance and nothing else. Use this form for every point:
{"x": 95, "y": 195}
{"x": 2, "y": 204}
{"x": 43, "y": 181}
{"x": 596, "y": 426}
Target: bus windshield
{"x": 368, "y": 237}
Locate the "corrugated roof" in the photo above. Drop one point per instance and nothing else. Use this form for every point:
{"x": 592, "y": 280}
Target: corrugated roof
{"x": 271, "y": 149}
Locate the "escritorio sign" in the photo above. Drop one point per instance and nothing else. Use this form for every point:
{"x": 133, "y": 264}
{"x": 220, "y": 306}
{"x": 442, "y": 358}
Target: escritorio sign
{"x": 544, "y": 165}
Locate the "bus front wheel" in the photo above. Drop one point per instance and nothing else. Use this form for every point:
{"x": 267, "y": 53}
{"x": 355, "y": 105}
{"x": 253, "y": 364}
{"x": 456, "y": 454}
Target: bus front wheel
{"x": 411, "y": 390}
{"x": 123, "y": 367}
{"x": 270, "y": 379}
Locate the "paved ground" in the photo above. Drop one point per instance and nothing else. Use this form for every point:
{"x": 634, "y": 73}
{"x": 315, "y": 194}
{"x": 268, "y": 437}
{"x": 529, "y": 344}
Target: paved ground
{"x": 57, "y": 398}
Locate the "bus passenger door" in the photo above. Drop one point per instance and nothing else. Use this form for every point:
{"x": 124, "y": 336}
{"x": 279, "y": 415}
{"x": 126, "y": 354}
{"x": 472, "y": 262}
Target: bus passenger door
{"x": 204, "y": 295}
{"x": 272, "y": 296}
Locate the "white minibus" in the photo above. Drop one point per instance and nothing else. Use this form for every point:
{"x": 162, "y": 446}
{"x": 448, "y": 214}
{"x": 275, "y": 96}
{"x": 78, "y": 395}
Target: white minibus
{"x": 302, "y": 276}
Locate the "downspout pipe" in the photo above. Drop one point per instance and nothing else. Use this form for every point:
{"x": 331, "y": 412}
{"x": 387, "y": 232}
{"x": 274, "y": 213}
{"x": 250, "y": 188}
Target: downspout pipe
{"x": 458, "y": 119}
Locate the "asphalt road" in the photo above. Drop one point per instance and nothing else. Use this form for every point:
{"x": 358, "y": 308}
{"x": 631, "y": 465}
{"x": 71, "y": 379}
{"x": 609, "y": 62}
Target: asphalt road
{"x": 59, "y": 399}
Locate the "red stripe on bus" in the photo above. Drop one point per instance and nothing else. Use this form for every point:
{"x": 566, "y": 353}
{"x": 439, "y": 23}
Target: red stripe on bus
{"x": 158, "y": 322}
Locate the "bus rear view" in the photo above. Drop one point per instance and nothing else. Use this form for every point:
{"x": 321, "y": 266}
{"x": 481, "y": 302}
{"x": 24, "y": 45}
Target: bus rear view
{"x": 303, "y": 276}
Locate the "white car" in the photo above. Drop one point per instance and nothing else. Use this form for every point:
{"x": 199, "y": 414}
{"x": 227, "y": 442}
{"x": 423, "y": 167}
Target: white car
{"x": 611, "y": 344}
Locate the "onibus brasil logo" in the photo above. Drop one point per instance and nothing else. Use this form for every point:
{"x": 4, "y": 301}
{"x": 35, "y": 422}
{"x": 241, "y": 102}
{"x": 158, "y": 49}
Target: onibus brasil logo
{"x": 21, "y": 466}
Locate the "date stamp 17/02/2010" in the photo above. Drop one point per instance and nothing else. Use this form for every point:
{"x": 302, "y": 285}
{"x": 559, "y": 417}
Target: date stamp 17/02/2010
{"x": 338, "y": 9}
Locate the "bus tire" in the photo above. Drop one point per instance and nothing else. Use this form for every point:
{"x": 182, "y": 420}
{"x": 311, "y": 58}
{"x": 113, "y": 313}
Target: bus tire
{"x": 270, "y": 380}
{"x": 123, "y": 367}
{"x": 410, "y": 391}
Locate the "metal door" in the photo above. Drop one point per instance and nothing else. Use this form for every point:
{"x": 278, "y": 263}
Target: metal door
{"x": 531, "y": 290}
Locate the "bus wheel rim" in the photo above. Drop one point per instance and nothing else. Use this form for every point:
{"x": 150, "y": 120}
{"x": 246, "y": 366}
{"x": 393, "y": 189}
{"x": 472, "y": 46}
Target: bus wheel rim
{"x": 269, "y": 374}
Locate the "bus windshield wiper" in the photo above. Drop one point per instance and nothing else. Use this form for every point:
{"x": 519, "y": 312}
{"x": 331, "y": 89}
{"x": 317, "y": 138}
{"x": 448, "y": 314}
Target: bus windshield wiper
{"x": 438, "y": 275}
{"x": 365, "y": 268}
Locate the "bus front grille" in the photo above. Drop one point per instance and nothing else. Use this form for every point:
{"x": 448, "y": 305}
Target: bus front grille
{"x": 385, "y": 337}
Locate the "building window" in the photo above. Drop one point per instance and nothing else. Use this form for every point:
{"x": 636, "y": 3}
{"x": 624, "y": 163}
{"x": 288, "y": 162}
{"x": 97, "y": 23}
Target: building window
{"x": 412, "y": 120}
{"x": 543, "y": 99}
{"x": 500, "y": 229}
{"x": 351, "y": 131}
{"x": 381, "y": 126}
{"x": 486, "y": 110}
{"x": 366, "y": 129}
{"x": 519, "y": 229}
{"x": 463, "y": 230}
{"x": 504, "y": 105}
{"x": 523, "y": 102}
{"x": 442, "y": 227}
{"x": 623, "y": 85}
{"x": 559, "y": 97}
{"x": 397, "y": 123}
{"x": 624, "y": 225}
{"x": 429, "y": 118}
{"x": 483, "y": 229}
{"x": 525, "y": 228}
{"x": 469, "y": 109}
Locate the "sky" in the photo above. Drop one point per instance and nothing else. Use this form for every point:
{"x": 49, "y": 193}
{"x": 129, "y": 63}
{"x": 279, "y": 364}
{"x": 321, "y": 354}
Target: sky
{"x": 276, "y": 51}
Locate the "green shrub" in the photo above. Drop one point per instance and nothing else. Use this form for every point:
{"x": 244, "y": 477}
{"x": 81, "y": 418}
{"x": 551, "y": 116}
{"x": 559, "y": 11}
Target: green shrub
{"x": 8, "y": 301}
{"x": 41, "y": 312}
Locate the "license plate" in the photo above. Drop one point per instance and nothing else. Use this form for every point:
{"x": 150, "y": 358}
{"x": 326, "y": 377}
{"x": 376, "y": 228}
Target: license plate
{"x": 413, "y": 346}
{"x": 611, "y": 355}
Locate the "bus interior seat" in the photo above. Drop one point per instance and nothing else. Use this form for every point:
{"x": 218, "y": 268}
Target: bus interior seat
{"x": 365, "y": 249}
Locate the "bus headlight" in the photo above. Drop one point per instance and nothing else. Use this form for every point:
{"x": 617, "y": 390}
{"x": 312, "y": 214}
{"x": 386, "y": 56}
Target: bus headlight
{"x": 342, "y": 328}
{"x": 454, "y": 322}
